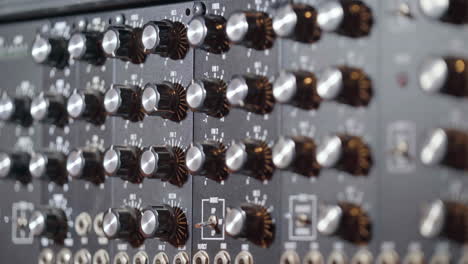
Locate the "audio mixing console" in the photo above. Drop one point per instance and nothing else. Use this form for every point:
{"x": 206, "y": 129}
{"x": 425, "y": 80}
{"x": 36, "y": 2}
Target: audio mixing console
{"x": 234, "y": 131}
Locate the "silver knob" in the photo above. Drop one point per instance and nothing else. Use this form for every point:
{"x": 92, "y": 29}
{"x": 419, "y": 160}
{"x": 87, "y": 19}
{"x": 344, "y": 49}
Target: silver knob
{"x": 85, "y": 46}
{"x": 330, "y": 83}
{"x": 435, "y": 148}
{"x": 7, "y": 108}
{"x": 330, "y": 15}
{"x": 110, "y": 224}
{"x": 297, "y": 22}
{"x": 284, "y": 152}
{"x": 235, "y": 221}
{"x": 236, "y": 156}
{"x": 434, "y": 9}
{"x": 237, "y": 26}
{"x": 194, "y": 158}
{"x": 15, "y": 110}
{"x": 329, "y": 219}
{"x": 37, "y": 223}
{"x": 85, "y": 164}
{"x": 433, "y": 219}
{"x": 5, "y": 164}
{"x": 329, "y": 151}
{"x": 37, "y": 165}
{"x": 50, "y": 109}
{"x": 50, "y": 51}
{"x": 284, "y": 87}
{"x": 49, "y": 165}
{"x": 123, "y": 101}
{"x": 433, "y": 75}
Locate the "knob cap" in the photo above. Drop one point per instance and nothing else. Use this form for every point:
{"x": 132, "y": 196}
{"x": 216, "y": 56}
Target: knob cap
{"x": 252, "y": 93}
{"x": 346, "y": 153}
{"x": 345, "y": 85}
{"x": 296, "y": 154}
{"x": 297, "y": 22}
{"x": 166, "y": 223}
{"x": 208, "y": 33}
{"x": 447, "y": 147}
{"x": 164, "y": 162}
{"x": 15, "y": 166}
{"x": 123, "y": 42}
{"x": 298, "y": 89}
{"x": 16, "y": 110}
{"x": 122, "y": 223}
{"x": 447, "y": 75}
{"x": 167, "y": 100}
{"x": 346, "y": 220}
{"x": 124, "y": 101}
{"x": 208, "y": 96}
{"x": 49, "y": 109}
{"x": 251, "y": 29}
{"x": 252, "y": 222}
{"x": 49, "y": 223}
{"x": 50, "y": 166}
{"x": 251, "y": 157}
{"x": 86, "y": 46}
{"x": 449, "y": 11}
{"x": 207, "y": 159}
{"x": 87, "y": 105}
{"x": 122, "y": 161}
{"x": 165, "y": 38}
{"x": 50, "y": 51}
{"x": 86, "y": 164}
{"x": 351, "y": 18}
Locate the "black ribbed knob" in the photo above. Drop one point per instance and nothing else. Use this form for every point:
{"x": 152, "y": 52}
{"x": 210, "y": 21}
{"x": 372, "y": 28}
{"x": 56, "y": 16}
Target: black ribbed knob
{"x": 87, "y": 105}
{"x": 122, "y": 162}
{"x": 51, "y": 51}
{"x": 50, "y": 109}
{"x": 298, "y": 88}
{"x": 252, "y": 222}
{"x": 164, "y": 162}
{"x": 445, "y": 219}
{"x": 250, "y": 157}
{"x": 346, "y": 85}
{"x": 449, "y": 11}
{"x": 123, "y": 42}
{"x": 124, "y": 101}
{"x": 297, "y": 22}
{"x": 86, "y": 164}
{"x": 446, "y": 147}
{"x": 165, "y": 38}
{"x": 49, "y": 223}
{"x": 208, "y": 96}
{"x": 166, "y": 100}
{"x": 251, "y": 29}
{"x": 296, "y": 154}
{"x": 15, "y": 166}
{"x": 50, "y": 166}
{"x": 164, "y": 222}
{"x": 16, "y": 110}
{"x": 86, "y": 46}
{"x": 346, "y": 153}
{"x": 348, "y": 221}
{"x": 444, "y": 75}
{"x": 351, "y": 18}
{"x": 122, "y": 223}
{"x": 252, "y": 93}
{"x": 208, "y": 33}
{"x": 207, "y": 159}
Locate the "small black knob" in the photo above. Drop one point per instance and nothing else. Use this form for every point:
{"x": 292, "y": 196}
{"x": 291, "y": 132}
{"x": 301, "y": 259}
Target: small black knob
{"x": 351, "y": 18}
{"x": 165, "y": 38}
{"x": 444, "y": 75}
{"x": 86, "y": 164}
{"x": 208, "y": 33}
{"x": 346, "y": 220}
{"x": 446, "y": 147}
{"x": 123, "y": 42}
{"x": 50, "y": 109}
{"x": 86, "y": 46}
{"x": 297, "y": 22}
{"x": 166, "y": 100}
{"x": 166, "y": 223}
{"x": 49, "y": 223}
{"x": 122, "y": 223}
{"x": 122, "y": 161}
{"x": 450, "y": 11}
{"x": 164, "y": 162}
{"x": 252, "y": 93}
{"x": 346, "y": 85}
{"x": 16, "y": 110}
{"x": 208, "y": 96}
{"x": 15, "y": 166}
{"x": 207, "y": 159}
{"x": 297, "y": 88}
{"x": 49, "y": 165}
{"x": 87, "y": 105}
{"x": 296, "y": 154}
{"x": 251, "y": 157}
{"x": 124, "y": 101}
{"x": 50, "y": 51}
{"x": 346, "y": 153}
{"x": 252, "y": 222}
{"x": 251, "y": 29}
